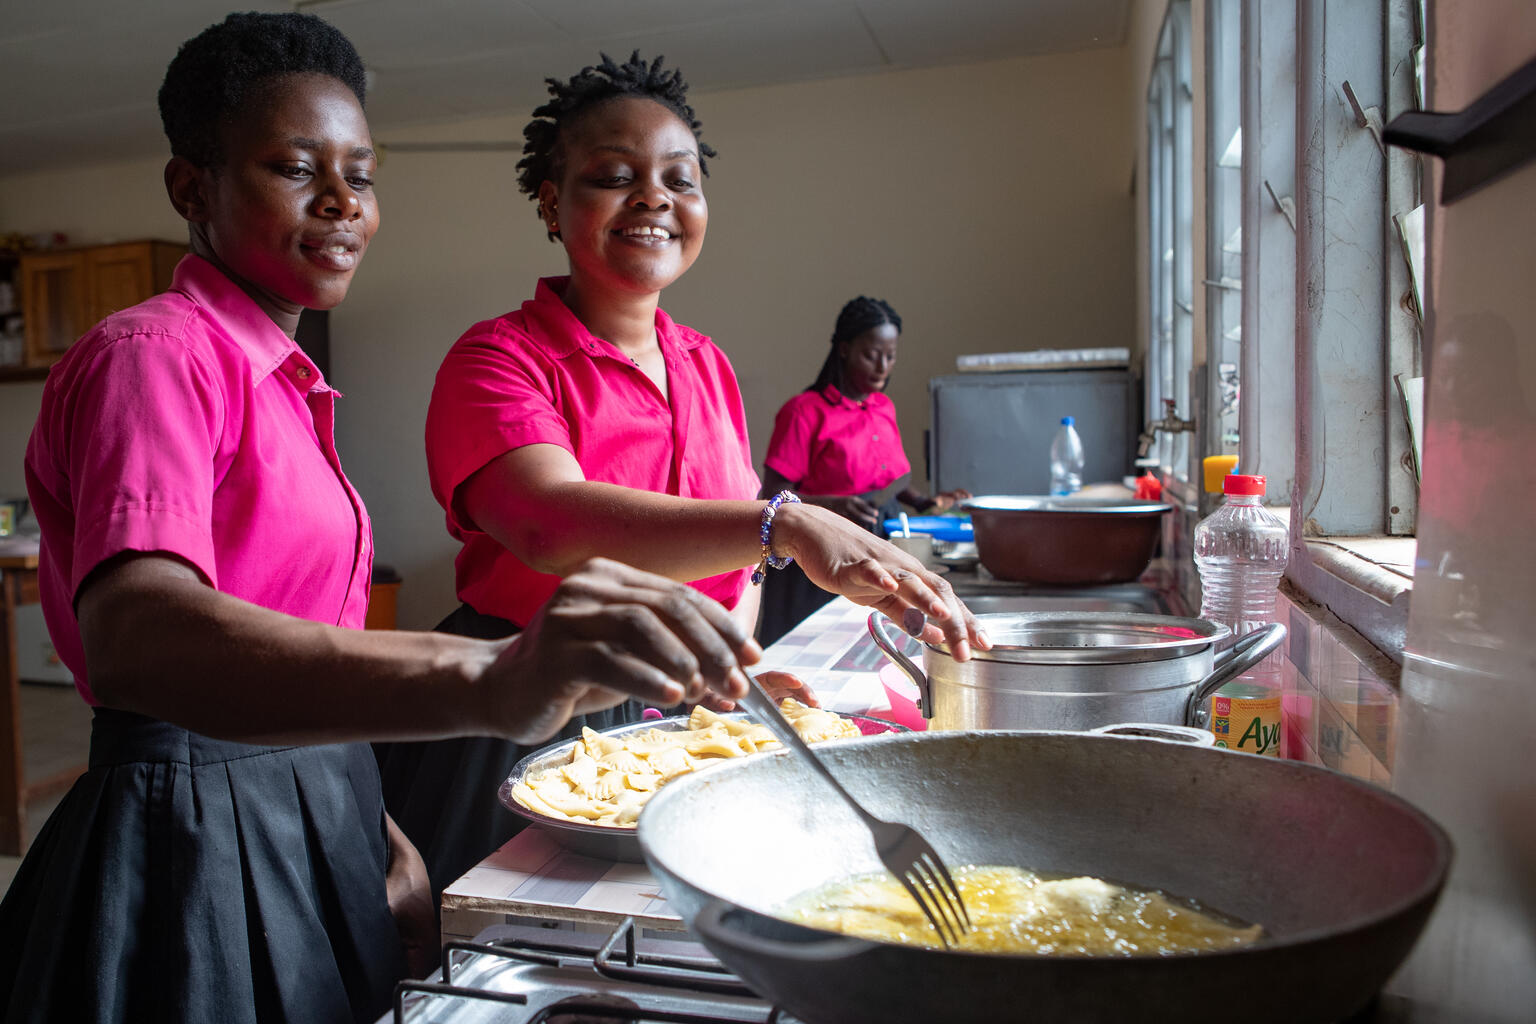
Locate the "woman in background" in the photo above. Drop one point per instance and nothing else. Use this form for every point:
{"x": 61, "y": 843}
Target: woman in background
{"x": 837, "y": 445}
{"x": 587, "y": 422}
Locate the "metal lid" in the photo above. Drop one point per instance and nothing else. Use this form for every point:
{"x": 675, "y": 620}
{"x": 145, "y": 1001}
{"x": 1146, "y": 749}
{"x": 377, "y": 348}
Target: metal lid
{"x": 1092, "y": 638}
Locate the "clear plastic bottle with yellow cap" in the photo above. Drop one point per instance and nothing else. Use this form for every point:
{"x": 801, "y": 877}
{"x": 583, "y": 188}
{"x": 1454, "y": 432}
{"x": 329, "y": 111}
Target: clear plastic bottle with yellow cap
{"x": 1241, "y": 550}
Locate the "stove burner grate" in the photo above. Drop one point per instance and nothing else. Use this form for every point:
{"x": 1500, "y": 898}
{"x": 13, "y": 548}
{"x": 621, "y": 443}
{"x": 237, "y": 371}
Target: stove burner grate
{"x": 511, "y": 975}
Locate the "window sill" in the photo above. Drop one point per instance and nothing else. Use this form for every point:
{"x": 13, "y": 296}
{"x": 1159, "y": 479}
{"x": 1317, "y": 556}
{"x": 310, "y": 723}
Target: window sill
{"x": 1367, "y": 582}
{"x": 1380, "y": 566}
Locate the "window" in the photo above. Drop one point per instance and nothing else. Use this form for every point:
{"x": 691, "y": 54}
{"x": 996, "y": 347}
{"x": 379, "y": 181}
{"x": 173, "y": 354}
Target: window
{"x": 1307, "y": 307}
{"x": 1224, "y": 221}
{"x": 1170, "y": 234}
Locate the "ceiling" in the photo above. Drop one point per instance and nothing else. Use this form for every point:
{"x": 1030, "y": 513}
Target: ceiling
{"x": 78, "y": 77}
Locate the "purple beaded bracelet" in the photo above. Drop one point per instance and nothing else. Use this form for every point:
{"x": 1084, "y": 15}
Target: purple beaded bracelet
{"x": 765, "y": 534}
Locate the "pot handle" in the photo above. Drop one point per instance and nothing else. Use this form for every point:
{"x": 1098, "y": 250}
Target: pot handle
{"x": 1231, "y": 663}
{"x": 713, "y": 930}
{"x": 885, "y": 643}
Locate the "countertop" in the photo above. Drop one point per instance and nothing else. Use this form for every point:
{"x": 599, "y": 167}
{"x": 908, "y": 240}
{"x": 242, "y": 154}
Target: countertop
{"x": 534, "y": 879}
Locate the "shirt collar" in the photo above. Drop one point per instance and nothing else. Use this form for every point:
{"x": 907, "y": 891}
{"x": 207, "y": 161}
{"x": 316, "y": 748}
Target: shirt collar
{"x": 560, "y": 334}
{"x": 835, "y": 397}
{"x": 247, "y": 325}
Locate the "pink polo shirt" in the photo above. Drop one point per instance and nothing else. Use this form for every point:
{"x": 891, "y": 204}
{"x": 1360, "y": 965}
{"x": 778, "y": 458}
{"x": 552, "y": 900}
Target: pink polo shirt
{"x": 191, "y": 425}
{"x": 826, "y": 443}
{"x": 537, "y": 376}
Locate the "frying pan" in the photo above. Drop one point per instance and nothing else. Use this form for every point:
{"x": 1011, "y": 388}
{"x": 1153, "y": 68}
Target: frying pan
{"x": 1341, "y": 874}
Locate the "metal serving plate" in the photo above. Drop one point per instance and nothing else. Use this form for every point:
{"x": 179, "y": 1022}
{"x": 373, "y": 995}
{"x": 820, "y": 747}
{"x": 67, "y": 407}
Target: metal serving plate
{"x": 610, "y": 842}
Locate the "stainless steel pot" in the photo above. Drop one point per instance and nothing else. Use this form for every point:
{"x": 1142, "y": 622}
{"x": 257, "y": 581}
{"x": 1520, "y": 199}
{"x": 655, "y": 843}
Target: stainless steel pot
{"x": 1076, "y": 671}
{"x": 1341, "y": 874}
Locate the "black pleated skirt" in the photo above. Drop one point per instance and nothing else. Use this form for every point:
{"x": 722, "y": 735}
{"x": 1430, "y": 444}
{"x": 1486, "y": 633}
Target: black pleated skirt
{"x": 189, "y": 879}
{"x": 443, "y": 793}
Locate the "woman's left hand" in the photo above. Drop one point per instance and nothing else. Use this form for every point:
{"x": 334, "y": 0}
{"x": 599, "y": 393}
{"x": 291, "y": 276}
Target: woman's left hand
{"x": 949, "y": 499}
{"x": 839, "y": 557}
{"x": 409, "y": 891}
{"x": 777, "y": 685}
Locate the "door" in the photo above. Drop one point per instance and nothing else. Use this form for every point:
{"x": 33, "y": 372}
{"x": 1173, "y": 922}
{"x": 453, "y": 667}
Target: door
{"x": 118, "y": 276}
{"x": 55, "y": 300}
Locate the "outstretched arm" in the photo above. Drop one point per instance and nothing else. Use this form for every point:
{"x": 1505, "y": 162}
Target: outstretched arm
{"x": 537, "y": 503}
{"x": 161, "y": 642}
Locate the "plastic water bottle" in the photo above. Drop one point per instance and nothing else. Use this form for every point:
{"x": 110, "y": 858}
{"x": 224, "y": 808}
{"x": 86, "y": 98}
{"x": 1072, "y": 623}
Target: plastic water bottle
{"x": 1241, "y": 551}
{"x": 1066, "y": 459}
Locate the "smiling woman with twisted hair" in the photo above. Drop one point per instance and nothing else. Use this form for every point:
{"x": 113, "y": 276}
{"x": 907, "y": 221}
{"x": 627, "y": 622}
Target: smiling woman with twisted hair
{"x": 587, "y": 422}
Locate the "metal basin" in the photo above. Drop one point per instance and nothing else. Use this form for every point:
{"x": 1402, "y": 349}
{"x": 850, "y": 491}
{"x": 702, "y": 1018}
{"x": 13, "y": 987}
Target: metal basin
{"x": 1070, "y": 541}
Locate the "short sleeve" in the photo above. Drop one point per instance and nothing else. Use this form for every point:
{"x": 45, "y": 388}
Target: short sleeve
{"x": 144, "y": 425}
{"x": 789, "y": 449}
{"x": 490, "y": 397}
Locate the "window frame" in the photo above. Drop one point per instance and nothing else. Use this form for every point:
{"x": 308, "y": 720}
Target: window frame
{"x": 1170, "y": 358}
{"x": 1326, "y": 321}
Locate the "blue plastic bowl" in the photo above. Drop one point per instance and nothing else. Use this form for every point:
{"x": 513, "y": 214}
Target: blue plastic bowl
{"x": 951, "y": 528}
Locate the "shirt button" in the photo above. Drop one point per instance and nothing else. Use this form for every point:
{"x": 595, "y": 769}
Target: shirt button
{"x": 303, "y": 373}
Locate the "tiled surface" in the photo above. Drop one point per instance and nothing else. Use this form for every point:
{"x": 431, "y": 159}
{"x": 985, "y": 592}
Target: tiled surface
{"x": 1339, "y": 712}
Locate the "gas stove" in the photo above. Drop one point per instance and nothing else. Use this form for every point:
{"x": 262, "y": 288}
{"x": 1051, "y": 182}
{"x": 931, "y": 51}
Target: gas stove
{"x": 511, "y": 974}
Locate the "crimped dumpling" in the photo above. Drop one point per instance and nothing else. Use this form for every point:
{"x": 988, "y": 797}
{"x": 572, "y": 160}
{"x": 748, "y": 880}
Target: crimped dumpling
{"x": 609, "y": 778}
{"x": 623, "y": 761}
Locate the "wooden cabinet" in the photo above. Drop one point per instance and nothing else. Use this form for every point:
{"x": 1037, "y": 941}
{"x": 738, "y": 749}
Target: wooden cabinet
{"x": 64, "y": 292}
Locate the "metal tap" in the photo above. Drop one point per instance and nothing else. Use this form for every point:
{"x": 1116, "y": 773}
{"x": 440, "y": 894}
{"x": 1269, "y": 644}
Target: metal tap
{"x": 1169, "y": 424}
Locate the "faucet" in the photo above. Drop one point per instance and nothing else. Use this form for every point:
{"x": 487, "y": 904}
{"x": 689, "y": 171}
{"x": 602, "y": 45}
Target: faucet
{"x": 1169, "y": 424}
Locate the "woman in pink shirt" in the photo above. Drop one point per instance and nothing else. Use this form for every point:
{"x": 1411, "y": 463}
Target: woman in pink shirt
{"x": 204, "y": 573}
{"x": 837, "y": 444}
{"x": 588, "y": 423}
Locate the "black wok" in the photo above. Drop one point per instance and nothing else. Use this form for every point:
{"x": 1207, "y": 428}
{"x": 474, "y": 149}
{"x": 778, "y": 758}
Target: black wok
{"x": 1341, "y": 874}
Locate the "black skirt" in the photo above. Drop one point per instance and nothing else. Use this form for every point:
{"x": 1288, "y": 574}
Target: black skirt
{"x": 789, "y": 597}
{"x": 184, "y": 878}
{"x": 443, "y": 793}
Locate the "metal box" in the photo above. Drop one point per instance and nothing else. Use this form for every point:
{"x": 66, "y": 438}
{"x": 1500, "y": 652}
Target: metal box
{"x": 990, "y": 433}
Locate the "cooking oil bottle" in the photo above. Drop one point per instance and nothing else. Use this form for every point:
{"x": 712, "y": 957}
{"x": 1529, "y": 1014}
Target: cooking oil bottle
{"x": 1241, "y": 551}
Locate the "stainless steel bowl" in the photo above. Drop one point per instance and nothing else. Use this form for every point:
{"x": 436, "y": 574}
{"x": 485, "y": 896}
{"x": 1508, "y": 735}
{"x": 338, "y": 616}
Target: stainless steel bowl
{"x": 611, "y": 842}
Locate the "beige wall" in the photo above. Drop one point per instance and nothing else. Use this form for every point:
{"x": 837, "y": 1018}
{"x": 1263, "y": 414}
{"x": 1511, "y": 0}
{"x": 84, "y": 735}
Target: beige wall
{"x": 989, "y": 203}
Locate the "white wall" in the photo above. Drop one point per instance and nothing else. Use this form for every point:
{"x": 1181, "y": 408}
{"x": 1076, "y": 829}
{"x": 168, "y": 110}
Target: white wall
{"x": 989, "y": 203}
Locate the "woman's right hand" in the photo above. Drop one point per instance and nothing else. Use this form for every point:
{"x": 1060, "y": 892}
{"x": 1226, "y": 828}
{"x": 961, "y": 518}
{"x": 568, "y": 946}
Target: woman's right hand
{"x": 854, "y": 509}
{"x": 839, "y": 557}
{"x": 611, "y": 632}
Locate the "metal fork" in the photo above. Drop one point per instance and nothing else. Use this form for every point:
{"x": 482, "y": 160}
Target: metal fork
{"x": 901, "y": 848}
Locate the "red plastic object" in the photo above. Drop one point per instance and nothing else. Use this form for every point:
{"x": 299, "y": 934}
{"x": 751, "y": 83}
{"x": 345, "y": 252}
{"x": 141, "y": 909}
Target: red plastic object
{"x": 902, "y": 694}
{"x": 1239, "y": 483}
{"x": 1149, "y": 488}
